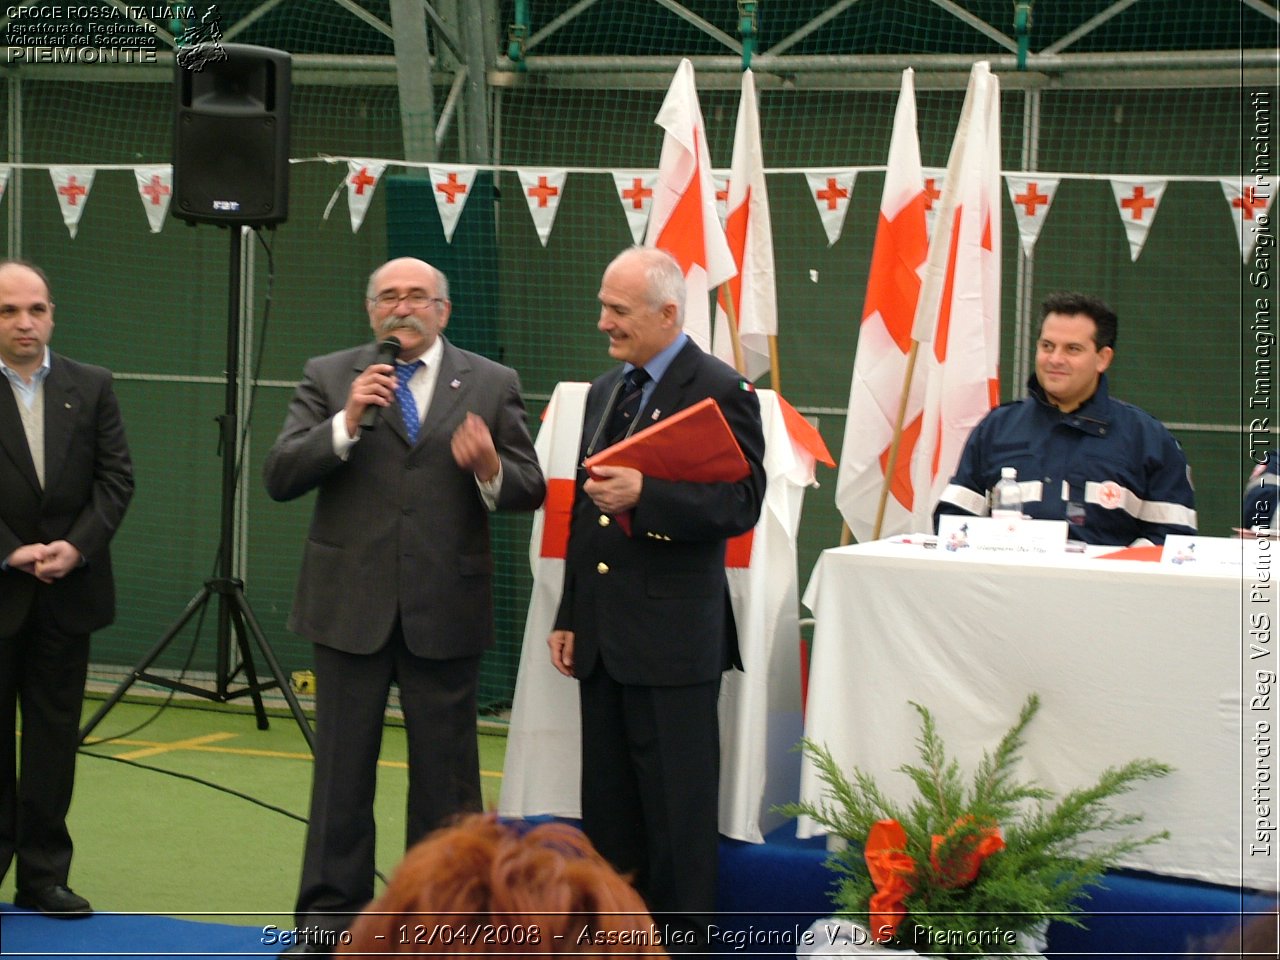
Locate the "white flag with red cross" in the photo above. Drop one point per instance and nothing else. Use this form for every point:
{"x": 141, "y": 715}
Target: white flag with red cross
{"x": 958, "y": 314}
{"x": 684, "y": 221}
{"x": 635, "y": 190}
{"x": 72, "y": 185}
{"x": 831, "y": 190}
{"x": 1138, "y": 201}
{"x": 884, "y": 344}
{"x": 543, "y": 190}
{"x": 155, "y": 187}
{"x": 543, "y": 763}
{"x": 753, "y": 292}
{"x": 451, "y": 186}
{"x": 1031, "y": 197}
{"x": 362, "y": 180}
{"x": 1249, "y": 202}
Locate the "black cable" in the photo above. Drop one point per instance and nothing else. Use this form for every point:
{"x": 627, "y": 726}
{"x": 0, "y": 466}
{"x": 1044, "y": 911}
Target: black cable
{"x": 194, "y": 779}
{"x": 190, "y": 778}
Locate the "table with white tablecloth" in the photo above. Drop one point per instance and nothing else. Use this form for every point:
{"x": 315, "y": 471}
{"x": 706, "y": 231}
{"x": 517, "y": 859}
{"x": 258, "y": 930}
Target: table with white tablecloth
{"x": 1129, "y": 659}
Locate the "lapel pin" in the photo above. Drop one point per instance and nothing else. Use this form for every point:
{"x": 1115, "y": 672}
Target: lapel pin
{"x": 455, "y": 384}
{"x": 655, "y": 415}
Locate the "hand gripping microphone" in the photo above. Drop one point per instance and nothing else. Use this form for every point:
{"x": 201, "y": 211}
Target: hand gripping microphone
{"x": 388, "y": 350}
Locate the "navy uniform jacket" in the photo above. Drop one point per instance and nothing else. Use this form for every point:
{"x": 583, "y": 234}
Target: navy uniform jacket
{"x": 1261, "y": 493}
{"x": 655, "y": 605}
{"x": 1112, "y": 470}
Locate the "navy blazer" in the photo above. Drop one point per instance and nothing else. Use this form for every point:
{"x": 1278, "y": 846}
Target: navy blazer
{"x": 655, "y": 605}
{"x": 88, "y": 486}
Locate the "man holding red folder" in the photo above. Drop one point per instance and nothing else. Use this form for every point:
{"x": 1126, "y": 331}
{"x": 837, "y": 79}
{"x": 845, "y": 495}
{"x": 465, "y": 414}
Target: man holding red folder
{"x": 645, "y": 622}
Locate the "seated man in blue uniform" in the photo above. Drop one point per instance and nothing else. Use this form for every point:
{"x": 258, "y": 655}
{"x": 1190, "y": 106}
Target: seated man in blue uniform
{"x": 1114, "y": 472}
{"x": 1261, "y": 493}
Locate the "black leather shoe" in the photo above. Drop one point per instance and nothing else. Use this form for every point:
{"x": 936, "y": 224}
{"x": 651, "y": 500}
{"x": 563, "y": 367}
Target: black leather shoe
{"x": 55, "y": 901}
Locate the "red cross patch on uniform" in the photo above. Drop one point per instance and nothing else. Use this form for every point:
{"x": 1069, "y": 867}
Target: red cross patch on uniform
{"x": 1110, "y": 495}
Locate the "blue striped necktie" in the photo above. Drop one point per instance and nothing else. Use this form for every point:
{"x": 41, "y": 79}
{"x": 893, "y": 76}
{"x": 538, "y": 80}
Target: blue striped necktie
{"x": 408, "y": 409}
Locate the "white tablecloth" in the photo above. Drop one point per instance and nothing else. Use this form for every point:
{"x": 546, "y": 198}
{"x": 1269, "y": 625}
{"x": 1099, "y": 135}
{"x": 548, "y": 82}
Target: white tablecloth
{"x": 1129, "y": 659}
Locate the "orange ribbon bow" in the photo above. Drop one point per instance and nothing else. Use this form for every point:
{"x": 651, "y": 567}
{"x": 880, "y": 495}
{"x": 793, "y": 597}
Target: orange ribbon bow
{"x": 965, "y": 856}
{"x": 891, "y": 869}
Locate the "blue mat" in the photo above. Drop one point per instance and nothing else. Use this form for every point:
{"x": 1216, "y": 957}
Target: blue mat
{"x": 123, "y": 935}
{"x": 769, "y": 895}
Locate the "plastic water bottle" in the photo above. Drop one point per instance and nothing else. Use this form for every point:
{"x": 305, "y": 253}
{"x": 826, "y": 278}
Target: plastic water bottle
{"x": 1006, "y": 498}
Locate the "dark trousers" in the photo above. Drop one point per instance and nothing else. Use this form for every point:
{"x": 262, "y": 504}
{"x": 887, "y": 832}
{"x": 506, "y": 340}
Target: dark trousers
{"x": 438, "y": 698}
{"x": 42, "y": 672}
{"x": 650, "y": 790}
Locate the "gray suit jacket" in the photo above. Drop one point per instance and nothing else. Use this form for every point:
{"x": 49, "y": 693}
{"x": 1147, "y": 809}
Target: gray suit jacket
{"x": 400, "y": 530}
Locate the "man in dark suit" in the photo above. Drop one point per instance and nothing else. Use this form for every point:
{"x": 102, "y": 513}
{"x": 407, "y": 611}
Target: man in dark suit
{"x": 65, "y": 481}
{"x": 644, "y": 622}
{"x": 396, "y": 582}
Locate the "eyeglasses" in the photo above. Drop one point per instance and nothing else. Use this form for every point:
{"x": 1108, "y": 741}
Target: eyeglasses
{"x": 416, "y": 301}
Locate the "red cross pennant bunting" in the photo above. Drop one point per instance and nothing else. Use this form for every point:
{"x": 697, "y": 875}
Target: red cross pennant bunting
{"x": 542, "y": 191}
{"x": 934, "y": 178}
{"x": 155, "y": 188}
{"x": 635, "y": 190}
{"x": 1031, "y": 197}
{"x": 831, "y": 190}
{"x": 452, "y": 188}
{"x": 1137, "y": 200}
{"x": 362, "y": 181}
{"x": 1249, "y": 201}
{"x": 721, "y": 181}
{"x": 72, "y": 185}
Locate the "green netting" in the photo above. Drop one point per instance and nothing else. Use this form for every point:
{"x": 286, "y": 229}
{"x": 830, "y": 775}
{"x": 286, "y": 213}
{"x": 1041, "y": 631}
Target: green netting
{"x": 1149, "y": 88}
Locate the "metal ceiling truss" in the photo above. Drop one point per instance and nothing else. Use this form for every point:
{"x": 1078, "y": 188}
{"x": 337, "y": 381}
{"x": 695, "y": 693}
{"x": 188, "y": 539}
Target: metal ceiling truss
{"x": 1052, "y": 67}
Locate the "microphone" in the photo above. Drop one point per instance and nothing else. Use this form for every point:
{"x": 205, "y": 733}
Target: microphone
{"x": 388, "y": 350}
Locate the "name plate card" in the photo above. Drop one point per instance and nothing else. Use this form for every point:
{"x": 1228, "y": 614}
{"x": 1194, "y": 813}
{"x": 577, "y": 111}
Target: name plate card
{"x": 1201, "y": 552}
{"x": 1001, "y": 535}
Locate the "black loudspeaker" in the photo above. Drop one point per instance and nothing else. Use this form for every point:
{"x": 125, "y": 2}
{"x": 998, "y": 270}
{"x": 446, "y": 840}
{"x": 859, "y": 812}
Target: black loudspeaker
{"x": 231, "y": 135}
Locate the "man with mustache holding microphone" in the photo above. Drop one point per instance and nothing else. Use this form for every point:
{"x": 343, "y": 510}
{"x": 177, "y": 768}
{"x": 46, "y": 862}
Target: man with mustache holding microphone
{"x": 409, "y": 458}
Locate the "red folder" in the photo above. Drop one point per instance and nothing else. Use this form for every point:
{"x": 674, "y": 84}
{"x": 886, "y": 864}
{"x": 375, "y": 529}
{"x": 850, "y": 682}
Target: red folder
{"x": 694, "y": 445}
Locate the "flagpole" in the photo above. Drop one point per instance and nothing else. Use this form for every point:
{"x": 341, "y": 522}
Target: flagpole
{"x": 739, "y": 361}
{"x": 775, "y": 367}
{"x": 894, "y": 447}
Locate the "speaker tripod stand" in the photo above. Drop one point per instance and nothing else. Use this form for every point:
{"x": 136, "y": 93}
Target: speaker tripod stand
{"x": 234, "y": 613}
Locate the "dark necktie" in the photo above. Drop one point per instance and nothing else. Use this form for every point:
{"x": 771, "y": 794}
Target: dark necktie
{"x": 625, "y": 411}
{"x": 408, "y": 409}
